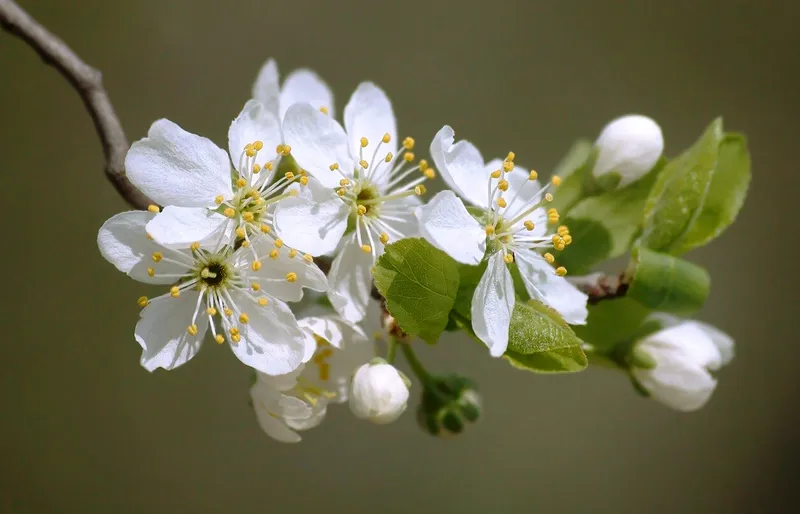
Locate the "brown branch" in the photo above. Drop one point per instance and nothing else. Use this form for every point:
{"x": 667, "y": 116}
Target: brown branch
{"x": 87, "y": 81}
{"x": 601, "y": 287}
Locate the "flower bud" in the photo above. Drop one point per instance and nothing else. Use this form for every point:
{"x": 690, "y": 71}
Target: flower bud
{"x": 448, "y": 405}
{"x": 674, "y": 365}
{"x": 379, "y": 392}
{"x": 629, "y": 147}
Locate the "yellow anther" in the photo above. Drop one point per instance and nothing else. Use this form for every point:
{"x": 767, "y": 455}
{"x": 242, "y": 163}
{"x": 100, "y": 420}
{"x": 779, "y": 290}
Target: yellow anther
{"x": 248, "y": 216}
{"x": 567, "y": 239}
{"x": 364, "y": 142}
{"x": 240, "y": 232}
{"x": 408, "y": 156}
{"x": 501, "y": 202}
{"x": 157, "y": 256}
{"x": 153, "y": 208}
{"x": 340, "y": 192}
{"x": 279, "y": 149}
{"x": 211, "y": 311}
{"x": 263, "y": 301}
{"x": 273, "y": 254}
{"x": 227, "y": 311}
{"x": 496, "y": 174}
{"x": 533, "y": 175}
{"x": 563, "y": 230}
{"x": 364, "y": 164}
{"x": 304, "y": 180}
{"x": 334, "y": 166}
{"x": 323, "y": 110}
{"x": 429, "y": 173}
{"x": 287, "y": 149}
{"x": 508, "y": 165}
{"x": 489, "y": 230}
{"x": 249, "y": 150}
{"x": 556, "y": 238}
{"x": 420, "y": 190}
{"x": 549, "y": 258}
{"x": 151, "y": 272}
{"x": 384, "y": 238}
{"x": 258, "y": 145}
{"x": 423, "y": 165}
{"x": 551, "y": 211}
{"x": 278, "y": 243}
{"x": 511, "y": 156}
{"x": 308, "y": 258}
{"x": 142, "y": 301}
{"x": 366, "y": 248}
{"x": 553, "y": 219}
{"x": 289, "y": 175}
{"x": 555, "y": 180}
{"x": 362, "y": 210}
{"x": 344, "y": 182}
{"x": 241, "y": 182}
{"x": 503, "y": 185}
{"x": 254, "y": 194}
{"x": 219, "y": 199}
{"x": 265, "y": 228}
{"x": 269, "y": 166}
{"x": 236, "y": 338}
{"x": 386, "y": 138}
{"x": 243, "y": 318}
{"x": 389, "y": 157}
{"x": 219, "y": 338}
{"x": 255, "y": 265}
{"x": 246, "y": 244}
{"x": 408, "y": 143}
{"x": 192, "y": 330}
{"x": 195, "y": 246}
{"x": 234, "y": 331}
{"x": 529, "y": 225}
{"x": 229, "y": 212}
{"x": 255, "y": 286}
{"x": 509, "y": 258}
{"x": 548, "y": 197}
{"x": 561, "y": 271}
{"x": 291, "y": 276}
{"x": 174, "y": 291}
{"x": 292, "y": 253}
{"x": 559, "y": 245}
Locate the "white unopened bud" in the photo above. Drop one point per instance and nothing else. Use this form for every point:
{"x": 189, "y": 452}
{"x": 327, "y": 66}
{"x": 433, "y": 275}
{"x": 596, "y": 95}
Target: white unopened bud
{"x": 379, "y": 393}
{"x": 629, "y": 146}
{"x": 674, "y": 364}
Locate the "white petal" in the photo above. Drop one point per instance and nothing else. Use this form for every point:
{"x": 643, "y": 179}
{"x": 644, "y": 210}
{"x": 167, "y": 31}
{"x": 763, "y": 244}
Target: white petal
{"x": 266, "y": 88}
{"x": 313, "y": 221}
{"x": 447, "y": 225}
{"x": 492, "y": 305}
{"x": 724, "y": 343}
{"x": 254, "y": 123}
{"x": 162, "y": 331}
{"x": 403, "y": 219}
{"x": 544, "y": 285}
{"x": 123, "y": 243}
{"x": 673, "y": 383}
{"x": 350, "y": 280}
{"x": 271, "y": 342}
{"x": 273, "y": 272}
{"x": 266, "y": 404}
{"x": 179, "y": 227}
{"x": 369, "y": 114}
{"x": 305, "y": 86}
{"x": 461, "y": 166}
{"x": 175, "y": 167}
{"x": 687, "y": 340}
{"x": 317, "y": 142}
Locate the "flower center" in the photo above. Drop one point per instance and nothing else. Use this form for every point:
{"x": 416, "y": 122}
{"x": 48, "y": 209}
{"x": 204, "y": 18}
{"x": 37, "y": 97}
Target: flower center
{"x": 213, "y": 274}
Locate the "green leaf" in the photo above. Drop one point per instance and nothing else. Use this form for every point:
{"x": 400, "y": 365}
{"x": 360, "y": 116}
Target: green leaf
{"x": 419, "y": 283}
{"x": 676, "y": 200}
{"x": 612, "y": 322}
{"x": 666, "y": 283}
{"x": 572, "y": 169}
{"x": 469, "y": 276}
{"x": 726, "y": 194}
{"x": 540, "y": 340}
{"x": 603, "y": 226}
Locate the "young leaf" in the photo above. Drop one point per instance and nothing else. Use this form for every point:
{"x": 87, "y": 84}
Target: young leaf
{"x": 419, "y": 283}
{"x": 572, "y": 169}
{"x": 676, "y": 200}
{"x": 667, "y": 283}
{"x": 612, "y": 322}
{"x": 725, "y": 195}
{"x": 539, "y": 340}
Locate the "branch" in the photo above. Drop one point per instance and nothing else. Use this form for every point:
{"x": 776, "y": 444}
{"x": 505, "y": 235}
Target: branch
{"x": 87, "y": 81}
{"x": 601, "y": 287}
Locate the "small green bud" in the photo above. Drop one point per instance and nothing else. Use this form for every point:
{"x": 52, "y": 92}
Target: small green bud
{"x": 448, "y": 405}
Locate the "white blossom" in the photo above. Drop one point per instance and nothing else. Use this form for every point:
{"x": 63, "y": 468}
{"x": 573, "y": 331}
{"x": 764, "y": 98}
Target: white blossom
{"x": 675, "y": 364}
{"x": 512, "y": 225}
{"x": 363, "y": 196}
{"x": 379, "y": 393}
{"x": 238, "y": 294}
{"x": 300, "y": 85}
{"x": 298, "y": 400}
{"x": 629, "y": 146}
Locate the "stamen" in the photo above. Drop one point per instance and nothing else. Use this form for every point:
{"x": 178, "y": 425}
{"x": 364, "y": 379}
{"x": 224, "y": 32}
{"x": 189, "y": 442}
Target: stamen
{"x": 366, "y": 248}
{"x": 153, "y": 208}
{"x": 291, "y": 276}
{"x": 142, "y": 301}
{"x": 255, "y": 265}
{"x": 561, "y": 271}
{"x": 174, "y": 291}
{"x": 549, "y": 258}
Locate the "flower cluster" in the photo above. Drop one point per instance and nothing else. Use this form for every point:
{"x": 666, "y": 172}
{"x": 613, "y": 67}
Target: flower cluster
{"x": 233, "y": 237}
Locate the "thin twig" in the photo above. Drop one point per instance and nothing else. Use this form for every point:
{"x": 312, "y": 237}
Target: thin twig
{"x": 87, "y": 81}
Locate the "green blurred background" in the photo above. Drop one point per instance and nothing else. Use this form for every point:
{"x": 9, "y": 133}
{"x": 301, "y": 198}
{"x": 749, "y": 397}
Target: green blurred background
{"x": 84, "y": 429}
